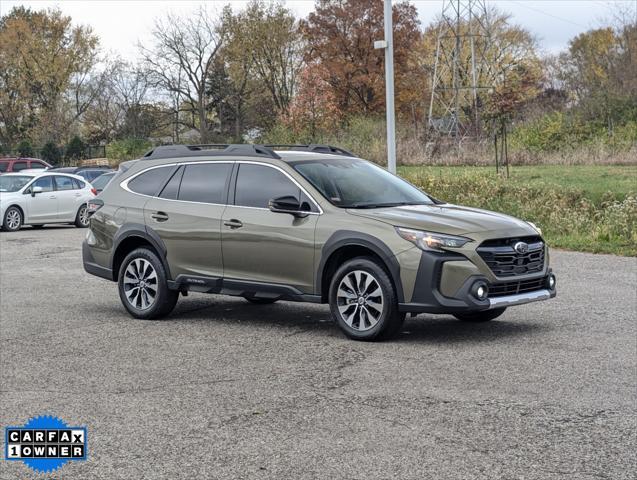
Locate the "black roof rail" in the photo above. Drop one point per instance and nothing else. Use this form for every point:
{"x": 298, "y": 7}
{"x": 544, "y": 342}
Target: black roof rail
{"x": 313, "y": 147}
{"x": 212, "y": 149}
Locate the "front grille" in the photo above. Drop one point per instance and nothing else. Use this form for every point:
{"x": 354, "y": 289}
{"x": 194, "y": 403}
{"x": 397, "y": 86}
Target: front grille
{"x": 505, "y": 261}
{"x": 513, "y": 288}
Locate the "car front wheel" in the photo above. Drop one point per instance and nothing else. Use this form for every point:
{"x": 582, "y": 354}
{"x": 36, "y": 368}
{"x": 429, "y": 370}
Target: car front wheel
{"x": 143, "y": 286}
{"x": 363, "y": 301}
{"x": 12, "y": 219}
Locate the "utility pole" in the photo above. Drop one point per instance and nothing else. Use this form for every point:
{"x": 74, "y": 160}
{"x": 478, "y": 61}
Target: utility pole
{"x": 388, "y": 46}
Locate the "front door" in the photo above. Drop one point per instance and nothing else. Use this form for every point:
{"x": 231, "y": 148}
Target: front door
{"x": 186, "y": 215}
{"x": 43, "y": 207}
{"x": 263, "y": 246}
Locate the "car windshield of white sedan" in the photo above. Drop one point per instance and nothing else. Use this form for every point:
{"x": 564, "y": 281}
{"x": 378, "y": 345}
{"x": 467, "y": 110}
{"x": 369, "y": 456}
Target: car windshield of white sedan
{"x": 13, "y": 183}
{"x": 359, "y": 184}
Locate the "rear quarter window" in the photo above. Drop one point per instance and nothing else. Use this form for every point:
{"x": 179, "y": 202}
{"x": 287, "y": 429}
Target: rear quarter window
{"x": 151, "y": 181}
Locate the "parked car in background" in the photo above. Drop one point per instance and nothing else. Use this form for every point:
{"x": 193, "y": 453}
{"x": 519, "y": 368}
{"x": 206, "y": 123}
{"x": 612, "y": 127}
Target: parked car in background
{"x": 89, "y": 173}
{"x": 40, "y": 198}
{"x": 100, "y": 182}
{"x": 17, "y": 164}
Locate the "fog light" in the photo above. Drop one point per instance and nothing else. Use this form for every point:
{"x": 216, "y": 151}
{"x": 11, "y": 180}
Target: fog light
{"x": 480, "y": 290}
{"x": 551, "y": 282}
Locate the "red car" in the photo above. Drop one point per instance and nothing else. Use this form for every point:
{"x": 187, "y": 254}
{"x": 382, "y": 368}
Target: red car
{"x": 15, "y": 164}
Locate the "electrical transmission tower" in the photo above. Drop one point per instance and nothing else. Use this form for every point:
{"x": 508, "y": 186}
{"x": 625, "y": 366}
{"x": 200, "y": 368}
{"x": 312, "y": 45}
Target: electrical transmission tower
{"x": 461, "y": 70}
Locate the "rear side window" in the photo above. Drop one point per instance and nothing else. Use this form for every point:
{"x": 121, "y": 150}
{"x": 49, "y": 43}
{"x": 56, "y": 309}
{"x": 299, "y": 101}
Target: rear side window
{"x": 37, "y": 165}
{"x": 257, "y": 185}
{"x": 151, "y": 181}
{"x": 205, "y": 182}
{"x": 17, "y": 166}
{"x": 64, "y": 183}
{"x": 79, "y": 184}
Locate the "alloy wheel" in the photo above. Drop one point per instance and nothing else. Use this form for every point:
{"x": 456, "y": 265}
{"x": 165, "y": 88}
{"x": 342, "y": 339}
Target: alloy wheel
{"x": 140, "y": 284}
{"x": 13, "y": 219}
{"x": 84, "y": 216}
{"x": 360, "y": 300}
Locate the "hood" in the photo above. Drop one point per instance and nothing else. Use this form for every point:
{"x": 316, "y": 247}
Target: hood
{"x": 446, "y": 218}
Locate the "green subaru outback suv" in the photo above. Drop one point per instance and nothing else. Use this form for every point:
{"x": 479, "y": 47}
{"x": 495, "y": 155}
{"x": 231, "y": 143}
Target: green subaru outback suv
{"x": 309, "y": 223}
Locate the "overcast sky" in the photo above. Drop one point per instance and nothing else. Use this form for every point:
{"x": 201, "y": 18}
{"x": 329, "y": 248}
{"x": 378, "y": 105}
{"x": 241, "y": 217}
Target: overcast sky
{"x": 120, "y": 24}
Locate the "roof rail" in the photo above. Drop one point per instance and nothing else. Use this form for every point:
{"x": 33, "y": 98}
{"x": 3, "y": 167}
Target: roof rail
{"x": 313, "y": 147}
{"x": 213, "y": 149}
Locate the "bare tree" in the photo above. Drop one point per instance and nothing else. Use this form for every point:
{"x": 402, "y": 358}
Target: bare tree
{"x": 180, "y": 60}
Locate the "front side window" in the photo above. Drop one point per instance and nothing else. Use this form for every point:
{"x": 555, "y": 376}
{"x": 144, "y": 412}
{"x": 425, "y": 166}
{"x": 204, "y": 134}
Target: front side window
{"x": 204, "y": 182}
{"x": 13, "y": 183}
{"x": 45, "y": 182}
{"x": 17, "y": 166}
{"x": 64, "y": 183}
{"x": 359, "y": 184}
{"x": 149, "y": 182}
{"x": 4, "y": 166}
{"x": 258, "y": 184}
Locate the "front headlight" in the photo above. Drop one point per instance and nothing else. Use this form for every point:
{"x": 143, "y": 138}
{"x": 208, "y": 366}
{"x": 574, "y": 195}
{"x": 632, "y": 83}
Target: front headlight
{"x": 430, "y": 241}
{"x": 535, "y": 227}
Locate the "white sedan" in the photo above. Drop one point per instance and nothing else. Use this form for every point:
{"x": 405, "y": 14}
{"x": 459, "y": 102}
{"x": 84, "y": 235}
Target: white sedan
{"x": 36, "y": 198}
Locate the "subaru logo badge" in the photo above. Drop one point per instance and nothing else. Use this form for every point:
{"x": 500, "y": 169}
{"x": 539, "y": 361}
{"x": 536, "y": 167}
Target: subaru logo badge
{"x": 521, "y": 247}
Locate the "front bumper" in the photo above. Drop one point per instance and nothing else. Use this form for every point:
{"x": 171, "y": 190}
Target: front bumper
{"x": 427, "y": 296}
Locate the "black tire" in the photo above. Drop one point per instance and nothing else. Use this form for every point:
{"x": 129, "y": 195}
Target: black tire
{"x": 388, "y": 320}
{"x": 483, "y": 316}
{"x": 261, "y": 301}
{"x": 37, "y": 227}
{"x": 164, "y": 300}
{"x": 81, "y": 217}
{"x": 13, "y": 219}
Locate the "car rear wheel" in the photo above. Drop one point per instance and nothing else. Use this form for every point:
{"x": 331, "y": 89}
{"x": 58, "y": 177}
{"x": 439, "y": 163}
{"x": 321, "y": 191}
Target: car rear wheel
{"x": 143, "y": 286}
{"x": 12, "y": 219}
{"x": 483, "y": 316}
{"x": 82, "y": 217}
{"x": 363, "y": 301}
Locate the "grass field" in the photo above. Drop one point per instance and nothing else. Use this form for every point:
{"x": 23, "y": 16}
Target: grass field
{"x": 582, "y": 207}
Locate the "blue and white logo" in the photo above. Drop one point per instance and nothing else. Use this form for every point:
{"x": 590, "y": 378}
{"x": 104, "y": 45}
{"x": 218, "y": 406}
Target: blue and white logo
{"x": 45, "y": 443}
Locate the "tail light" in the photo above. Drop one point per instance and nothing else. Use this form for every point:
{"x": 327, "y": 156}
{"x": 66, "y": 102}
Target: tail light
{"x": 93, "y": 191}
{"x": 94, "y": 205}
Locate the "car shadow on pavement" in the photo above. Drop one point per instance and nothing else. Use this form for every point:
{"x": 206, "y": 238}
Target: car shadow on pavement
{"x": 298, "y": 318}
{"x": 446, "y": 329}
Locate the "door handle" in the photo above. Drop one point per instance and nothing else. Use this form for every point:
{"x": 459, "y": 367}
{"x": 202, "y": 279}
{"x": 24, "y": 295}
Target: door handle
{"x": 233, "y": 223}
{"x": 53, "y": 196}
{"x": 159, "y": 216}
{"x": 78, "y": 194}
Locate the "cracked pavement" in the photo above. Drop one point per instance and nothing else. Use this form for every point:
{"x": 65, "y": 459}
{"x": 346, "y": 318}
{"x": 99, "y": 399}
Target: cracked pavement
{"x": 227, "y": 389}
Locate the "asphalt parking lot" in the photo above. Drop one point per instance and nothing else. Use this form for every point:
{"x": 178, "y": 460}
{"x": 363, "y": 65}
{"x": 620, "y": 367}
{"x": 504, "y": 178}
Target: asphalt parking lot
{"x": 226, "y": 389}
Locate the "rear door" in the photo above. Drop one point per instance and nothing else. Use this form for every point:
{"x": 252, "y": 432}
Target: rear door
{"x": 43, "y": 207}
{"x": 263, "y": 246}
{"x": 68, "y": 197}
{"x": 187, "y": 213}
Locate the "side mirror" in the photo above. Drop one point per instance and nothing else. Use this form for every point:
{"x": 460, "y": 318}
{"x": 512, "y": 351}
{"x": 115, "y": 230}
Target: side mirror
{"x": 35, "y": 190}
{"x": 287, "y": 204}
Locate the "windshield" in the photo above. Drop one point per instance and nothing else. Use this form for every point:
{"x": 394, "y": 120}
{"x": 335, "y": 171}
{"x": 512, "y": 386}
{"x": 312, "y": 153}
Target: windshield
{"x": 359, "y": 184}
{"x": 13, "y": 183}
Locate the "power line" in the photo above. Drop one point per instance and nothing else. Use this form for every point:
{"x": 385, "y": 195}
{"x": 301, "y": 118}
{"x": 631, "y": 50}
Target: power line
{"x": 548, "y": 14}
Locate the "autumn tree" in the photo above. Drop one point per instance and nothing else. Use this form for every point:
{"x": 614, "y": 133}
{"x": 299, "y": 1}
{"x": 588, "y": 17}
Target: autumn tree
{"x": 179, "y": 61}
{"x": 42, "y": 55}
{"x": 313, "y": 109}
{"x": 340, "y": 36}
